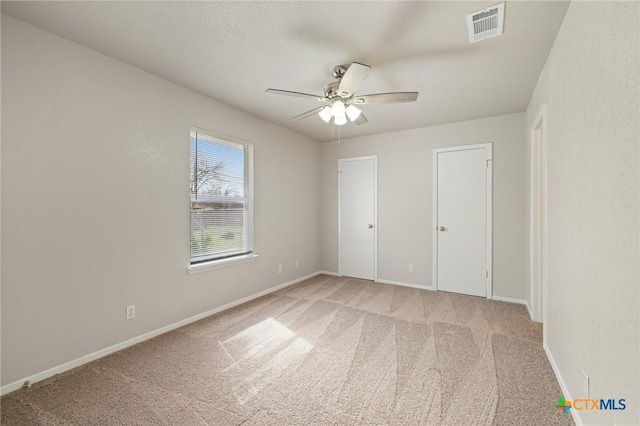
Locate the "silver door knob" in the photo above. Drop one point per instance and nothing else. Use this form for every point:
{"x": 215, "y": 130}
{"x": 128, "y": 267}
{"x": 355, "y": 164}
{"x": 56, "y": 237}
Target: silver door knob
{"x": 442, "y": 228}
{"x": 370, "y": 226}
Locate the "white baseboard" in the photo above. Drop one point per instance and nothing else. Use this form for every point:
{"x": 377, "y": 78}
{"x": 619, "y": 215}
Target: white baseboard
{"x": 421, "y": 287}
{"x": 528, "y": 309}
{"x": 335, "y": 274}
{"x": 563, "y": 386}
{"x": 122, "y": 345}
{"x": 510, "y": 300}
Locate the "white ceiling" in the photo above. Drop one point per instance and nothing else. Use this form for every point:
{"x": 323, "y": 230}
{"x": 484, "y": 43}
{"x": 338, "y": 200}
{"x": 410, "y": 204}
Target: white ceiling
{"x": 233, "y": 51}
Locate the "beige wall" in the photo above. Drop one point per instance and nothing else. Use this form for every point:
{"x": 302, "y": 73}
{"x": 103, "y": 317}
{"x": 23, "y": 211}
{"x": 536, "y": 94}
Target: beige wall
{"x": 405, "y": 198}
{"x": 95, "y": 166}
{"x": 590, "y": 85}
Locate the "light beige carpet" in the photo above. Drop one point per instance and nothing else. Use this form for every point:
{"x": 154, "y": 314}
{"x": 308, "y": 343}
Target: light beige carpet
{"x": 326, "y": 351}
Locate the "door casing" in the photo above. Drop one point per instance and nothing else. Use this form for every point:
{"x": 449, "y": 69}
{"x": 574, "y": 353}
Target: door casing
{"x": 538, "y": 218}
{"x": 489, "y": 265}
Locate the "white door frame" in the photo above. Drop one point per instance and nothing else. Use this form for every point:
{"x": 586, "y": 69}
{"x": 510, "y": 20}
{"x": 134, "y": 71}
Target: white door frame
{"x": 538, "y": 215}
{"x": 489, "y": 149}
{"x": 375, "y": 211}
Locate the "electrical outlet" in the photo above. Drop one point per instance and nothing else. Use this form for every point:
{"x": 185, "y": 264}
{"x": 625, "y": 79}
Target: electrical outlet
{"x": 297, "y": 264}
{"x": 279, "y": 269}
{"x": 410, "y": 267}
{"x": 131, "y": 312}
{"x": 585, "y": 384}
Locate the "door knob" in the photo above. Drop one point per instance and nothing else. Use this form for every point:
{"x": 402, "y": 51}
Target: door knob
{"x": 370, "y": 226}
{"x": 442, "y": 228}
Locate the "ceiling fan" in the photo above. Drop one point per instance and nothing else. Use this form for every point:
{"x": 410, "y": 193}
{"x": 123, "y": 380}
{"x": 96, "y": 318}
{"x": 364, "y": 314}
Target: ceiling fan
{"x": 340, "y": 98}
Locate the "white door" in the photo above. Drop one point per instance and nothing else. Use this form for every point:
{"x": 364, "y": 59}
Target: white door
{"x": 357, "y": 217}
{"x": 462, "y": 189}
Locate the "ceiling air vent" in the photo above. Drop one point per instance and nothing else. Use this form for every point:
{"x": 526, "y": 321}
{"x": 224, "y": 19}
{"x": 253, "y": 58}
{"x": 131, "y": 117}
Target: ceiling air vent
{"x": 485, "y": 23}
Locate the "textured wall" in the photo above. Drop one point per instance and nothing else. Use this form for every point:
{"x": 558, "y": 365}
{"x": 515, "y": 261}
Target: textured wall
{"x": 590, "y": 85}
{"x": 95, "y": 175}
{"x": 405, "y": 198}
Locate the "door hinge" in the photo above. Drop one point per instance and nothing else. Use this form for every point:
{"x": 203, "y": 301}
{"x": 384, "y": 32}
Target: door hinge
{"x": 486, "y": 274}
{"x": 488, "y": 162}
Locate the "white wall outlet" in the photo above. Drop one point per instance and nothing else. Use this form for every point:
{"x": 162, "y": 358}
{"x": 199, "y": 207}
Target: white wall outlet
{"x": 279, "y": 269}
{"x": 585, "y": 384}
{"x": 297, "y": 264}
{"x": 131, "y": 312}
{"x": 411, "y": 267}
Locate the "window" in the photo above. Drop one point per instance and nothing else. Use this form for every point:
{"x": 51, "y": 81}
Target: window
{"x": 221, "y": 197}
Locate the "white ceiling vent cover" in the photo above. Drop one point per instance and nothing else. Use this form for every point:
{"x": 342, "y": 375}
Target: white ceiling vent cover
{"x": 485, "y": 23}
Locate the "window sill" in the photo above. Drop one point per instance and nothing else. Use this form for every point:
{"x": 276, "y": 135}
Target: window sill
{"x": 222, "y": 263}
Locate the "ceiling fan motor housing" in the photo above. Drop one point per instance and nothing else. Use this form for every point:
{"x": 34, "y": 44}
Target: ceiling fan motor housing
{"x": 331, "y": 90}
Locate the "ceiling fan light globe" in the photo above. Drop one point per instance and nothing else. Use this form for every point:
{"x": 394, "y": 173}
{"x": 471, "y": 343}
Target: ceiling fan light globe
{"x": 340, "y": 120}
{"x": 353, "y": 112}
{"x": 325, "y": 114}
{"x": 337, "y": 109}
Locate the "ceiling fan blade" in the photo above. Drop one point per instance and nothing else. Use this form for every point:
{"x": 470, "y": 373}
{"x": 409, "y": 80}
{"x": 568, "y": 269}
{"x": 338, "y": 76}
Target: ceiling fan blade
{"x": 385, "y": 98}
{"x": 352, "y": 79}
{"x": 360, "y": 120}
{"x": 306, "y": 114}
{"x": 296, "y": 94}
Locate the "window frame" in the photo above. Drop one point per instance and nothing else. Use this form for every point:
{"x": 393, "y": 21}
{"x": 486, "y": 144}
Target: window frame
{"x": 248, "y": 253}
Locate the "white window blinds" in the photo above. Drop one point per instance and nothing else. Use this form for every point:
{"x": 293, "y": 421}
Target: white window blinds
{"x": 221, "y": 197}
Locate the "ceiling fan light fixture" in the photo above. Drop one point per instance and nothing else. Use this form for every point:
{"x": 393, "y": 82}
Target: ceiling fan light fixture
{"x": 353, "y": 112}
{"x": 340, "y": 120}
{"x": 337, "y": 109}
{"x": 340, "y": 100}
{"x": 325, "y": 114}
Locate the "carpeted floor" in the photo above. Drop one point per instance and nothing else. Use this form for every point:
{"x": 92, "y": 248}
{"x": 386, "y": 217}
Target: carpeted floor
{"x": 328, "y": 350}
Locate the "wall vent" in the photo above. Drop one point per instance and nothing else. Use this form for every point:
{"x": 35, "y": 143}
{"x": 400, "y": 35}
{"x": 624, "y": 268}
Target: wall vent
{"x": 485, "y": 23}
